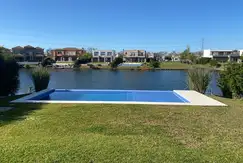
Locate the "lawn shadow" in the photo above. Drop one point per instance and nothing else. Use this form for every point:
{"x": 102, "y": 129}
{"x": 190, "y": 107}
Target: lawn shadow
{"x": 19, "y": 111}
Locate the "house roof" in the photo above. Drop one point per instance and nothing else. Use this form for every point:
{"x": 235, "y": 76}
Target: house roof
{"x": 38, "y": 47}
{"x": 17, "y": 47}
{"x": 68, "y": 48}
{"x": 28, "y": 46}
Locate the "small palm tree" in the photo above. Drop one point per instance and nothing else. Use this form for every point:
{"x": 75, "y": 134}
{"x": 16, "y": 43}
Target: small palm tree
{"x": 198, "y": 79}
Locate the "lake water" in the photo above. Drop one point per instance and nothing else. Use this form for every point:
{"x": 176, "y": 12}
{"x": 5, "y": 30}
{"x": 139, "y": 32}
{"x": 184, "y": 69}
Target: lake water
{"x": 107, "y": 79}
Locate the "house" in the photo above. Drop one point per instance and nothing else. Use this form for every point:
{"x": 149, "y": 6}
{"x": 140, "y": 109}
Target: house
{"x": 223, "y": 55}
{"x": 134, "y": 55}
{"x": 28, "y": 53}
{"x": 66, "y": 54}
{"x": 103, "y": 55}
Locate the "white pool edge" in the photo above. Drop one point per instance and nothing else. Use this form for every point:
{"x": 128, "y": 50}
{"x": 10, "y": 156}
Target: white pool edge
{"x": 194, "y": 98}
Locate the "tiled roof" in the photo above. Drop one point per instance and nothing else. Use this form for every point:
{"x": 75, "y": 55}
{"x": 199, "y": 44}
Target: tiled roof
{"x": 68, "y": 48}
{"x": 17, "y": 47}
{"x": 28, "y": 46}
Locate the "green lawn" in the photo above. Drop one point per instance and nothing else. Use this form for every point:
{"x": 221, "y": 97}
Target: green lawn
{"x": 121, "y": 133}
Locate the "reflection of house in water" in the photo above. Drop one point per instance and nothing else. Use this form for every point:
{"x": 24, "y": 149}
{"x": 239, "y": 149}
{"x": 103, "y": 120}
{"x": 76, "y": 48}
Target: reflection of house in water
{"x": 67, "y": 54}
{"x": 28, "y": 53}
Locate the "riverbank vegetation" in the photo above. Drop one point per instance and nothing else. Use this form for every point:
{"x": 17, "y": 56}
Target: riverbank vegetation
{"x": 9, "y": 72}
{"x": 121, "y": 133}
{"x": 231, "y": 80}
{"x": 198, "y": 79}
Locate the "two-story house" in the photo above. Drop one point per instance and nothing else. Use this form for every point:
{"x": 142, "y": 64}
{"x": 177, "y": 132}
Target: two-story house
{"x": 67, "y": 54}
{"x": 28, "y": 53}
{"x": 134, "y": 55}
{"x": 103, "y": 55}
{"x": 223, "y": 55}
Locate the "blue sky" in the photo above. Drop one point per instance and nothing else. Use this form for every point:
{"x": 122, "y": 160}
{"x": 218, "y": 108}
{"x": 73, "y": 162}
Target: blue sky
{"x": 154, "y": 25}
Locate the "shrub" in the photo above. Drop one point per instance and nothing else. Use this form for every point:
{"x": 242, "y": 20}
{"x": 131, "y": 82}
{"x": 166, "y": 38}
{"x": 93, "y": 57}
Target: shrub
{"x": 116, "y": 62}
{"x": 27, "y": 66}
{"x": 100, "y": 65}
{"x": 47, "y": 62}
{"x": 40, "y": 78}
{"x": 155, "y": 64}
{"x": 231, "y": 80}
{"x": 198, "y": 79}
{"x": 203, "y": 61}
{"x": 9, "y": 72}
{"x": 213, "y": 63}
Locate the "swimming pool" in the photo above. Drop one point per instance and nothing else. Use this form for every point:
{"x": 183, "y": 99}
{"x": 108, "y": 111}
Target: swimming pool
{"x": 119, "y": 97}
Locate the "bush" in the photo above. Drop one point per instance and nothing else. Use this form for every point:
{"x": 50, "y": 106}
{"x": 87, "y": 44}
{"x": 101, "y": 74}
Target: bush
{"x": 198, "y": 79}
{"x": 100, "y": 65}
{"x": 231, "y": 80}
{"x": 40, "y": 78}
{"x": 27, "y": 66}
{"x": 9, "y": 72}
{"x": 47, "y": 62}
{"x": 86, "y": 58}
{"x": 213, "y": 63}
{"x": 203, "y": 61}
{"x": 116, "y": 62}
{"x": 155, "y": 64}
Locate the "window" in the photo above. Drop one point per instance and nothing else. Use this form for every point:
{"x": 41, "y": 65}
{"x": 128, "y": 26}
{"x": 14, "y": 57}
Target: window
{"x": 140, "y": 54}
{"x": 96, "y": 53}
{"x": 102, "y": 53}
{"x": 109, "y": 53}
{"x": 132, "y": 54}
{"x": 59, "y": 52}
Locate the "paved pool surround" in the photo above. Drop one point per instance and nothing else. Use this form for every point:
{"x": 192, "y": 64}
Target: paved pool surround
{"x": 147, "y": 97}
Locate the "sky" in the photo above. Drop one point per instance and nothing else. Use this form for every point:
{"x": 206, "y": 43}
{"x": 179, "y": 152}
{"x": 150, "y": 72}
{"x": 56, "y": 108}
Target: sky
{"x": 153, "y": 25}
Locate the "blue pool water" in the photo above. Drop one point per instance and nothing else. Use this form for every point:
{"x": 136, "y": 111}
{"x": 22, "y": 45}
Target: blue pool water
{"x": 111, "y": 95}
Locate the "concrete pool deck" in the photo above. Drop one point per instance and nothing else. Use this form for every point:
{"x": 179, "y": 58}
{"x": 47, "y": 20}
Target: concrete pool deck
{"x": 194, "y": 99}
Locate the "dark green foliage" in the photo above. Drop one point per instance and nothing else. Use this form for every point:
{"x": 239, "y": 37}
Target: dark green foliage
{"x": 213, "y": 63}
{"x": 47, "y": 62}
{"x": 198, "y": 79}
{"x": 154, "y": 64}
{"x": 116, "y": 62}
{"x": 40, "y": 78}
{"x": 231, "y": 80}
{"x": 27, "y": 66}
{"x": 86, "y": 58}
{"x": 203, "y": 61}
{"x": 9, "y": 72}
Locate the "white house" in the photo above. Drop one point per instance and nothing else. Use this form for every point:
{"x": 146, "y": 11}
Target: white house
{"x": 223, "y": 55}
{"x": 103, "y": 55}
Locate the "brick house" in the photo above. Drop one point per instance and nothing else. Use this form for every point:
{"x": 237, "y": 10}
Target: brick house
{"x": 66, "y": 54}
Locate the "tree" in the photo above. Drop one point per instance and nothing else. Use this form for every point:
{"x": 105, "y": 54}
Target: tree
{"x": 85, "y": 58}
{"x": 116, "y": 62}
{"x": 40, "y": 78}
{"x": 154, "y": 64}
{"x": 9, "y": 72}
{"x": 187, "y": 55}
{"x": 231, "y": 80}
{"x": 47, "y": 62}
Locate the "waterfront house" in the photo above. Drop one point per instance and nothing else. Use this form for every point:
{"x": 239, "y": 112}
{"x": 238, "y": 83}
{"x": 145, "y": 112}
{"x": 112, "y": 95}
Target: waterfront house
{"x": 223, "y": 55}
{"x": 28, "y": 53}
{"x": 134, "y": 55}
{"x": 103, "y": 55}
{"x": 66, "y": 54}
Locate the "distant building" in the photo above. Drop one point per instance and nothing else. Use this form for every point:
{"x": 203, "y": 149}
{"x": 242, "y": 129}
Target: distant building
{"x": 28, "y": 53}
{"x": 134, "y": 55}
{"x": 66, "y": 54}
{"x": 103, "y": 55}
{"x": 223, "y": 55}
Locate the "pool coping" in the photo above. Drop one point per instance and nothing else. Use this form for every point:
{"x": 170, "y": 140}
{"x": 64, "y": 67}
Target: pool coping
{"x": 194, "y": 99}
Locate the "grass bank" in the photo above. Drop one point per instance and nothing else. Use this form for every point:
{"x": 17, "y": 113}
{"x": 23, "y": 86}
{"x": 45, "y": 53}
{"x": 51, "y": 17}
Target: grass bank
{"x": 163, "y": 66}
{"x": 121, "y": 133}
